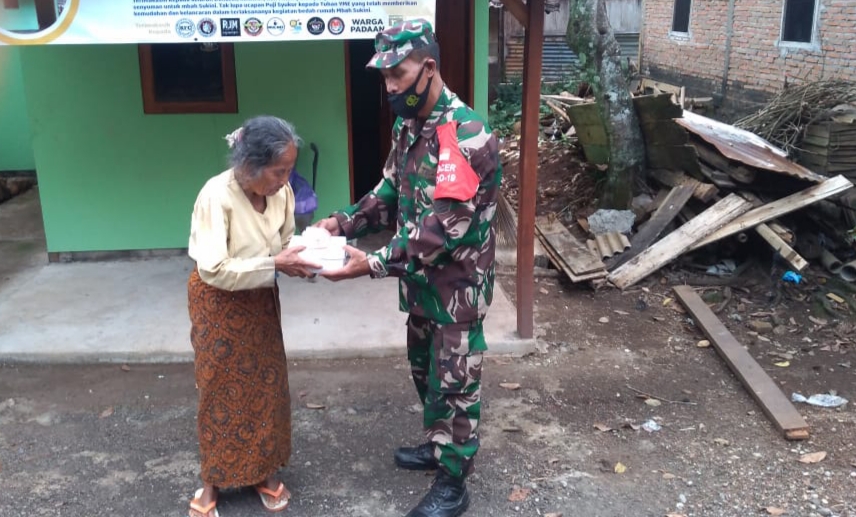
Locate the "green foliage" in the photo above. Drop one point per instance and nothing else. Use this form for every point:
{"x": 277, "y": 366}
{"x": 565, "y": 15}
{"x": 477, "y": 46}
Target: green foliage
{"x": 505, "y": 111}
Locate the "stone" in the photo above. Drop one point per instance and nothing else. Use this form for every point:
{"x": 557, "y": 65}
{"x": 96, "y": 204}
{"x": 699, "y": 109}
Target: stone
{"x": 608, "y": 221}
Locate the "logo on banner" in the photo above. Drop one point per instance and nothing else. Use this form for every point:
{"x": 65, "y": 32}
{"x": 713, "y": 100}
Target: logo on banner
{"x": 367, "y": 25}
{"x": 230, "y": 27}
{"x": 185, "y": 27}
{"x": 253, "y": 26}
{"x": 336, "y": 26}
{"x": 315, "y": 26}
{"x": 395, "y": 19}
{"x": 275, "y": 26}
{"x": 296, "y": 26}
{"x": 207, "y": 27}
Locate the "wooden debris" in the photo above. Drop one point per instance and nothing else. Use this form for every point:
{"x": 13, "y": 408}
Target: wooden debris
{"x": 566, "y": 252}
{"x": 679, "y": 241}
{"x": 740, "y": 173}
{"x": 702, "y": 191}
{"x": 651, "y": 230}
{"x": 777, "y": 208}
{"x": 762, "y": 388}
{"x": 781, "y": 247}
{"x": 573, "y": 252}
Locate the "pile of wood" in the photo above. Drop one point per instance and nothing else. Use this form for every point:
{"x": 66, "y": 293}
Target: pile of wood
{"x": 709, "y": 181}
{"x": 829, "y": 146}
{"x": 784, "y": 119}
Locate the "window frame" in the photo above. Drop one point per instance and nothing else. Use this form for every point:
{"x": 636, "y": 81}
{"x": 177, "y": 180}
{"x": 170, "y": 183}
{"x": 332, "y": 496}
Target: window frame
{"x": 673, "y": 34}
{"x": 810, "y": 45}
{"x": 151, "y": 106}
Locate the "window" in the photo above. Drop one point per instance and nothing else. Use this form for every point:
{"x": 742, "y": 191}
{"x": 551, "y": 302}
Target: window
{"x": 188, "y": 78}
{"x": 798, "y": 21}
{"x": 681, "y": 16}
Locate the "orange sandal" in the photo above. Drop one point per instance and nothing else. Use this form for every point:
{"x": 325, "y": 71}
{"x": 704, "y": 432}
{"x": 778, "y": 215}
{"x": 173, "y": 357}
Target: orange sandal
{"x": 274, "y": 500}
{"x": 197, "y": 510}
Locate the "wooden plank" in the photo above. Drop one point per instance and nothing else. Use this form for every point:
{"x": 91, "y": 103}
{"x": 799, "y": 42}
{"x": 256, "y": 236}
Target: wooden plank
{"x": 585, "y": 114}
{"x": 530, "y": 130}
{"x": 575, "y": 253}
{"x": 760, "y": 386}
{"x": 717, "y": 177}
{"x": 781, "y": 247}
{"x": 518, "y": 9}
{"x": 650, "y": 108}
{"x": 709, "y": 155}
{"x": 702, "y": 191}
{"x": 561, "y": 265}
{"x": 648, "y": 233}
{"x": 591, "y": 135}
{"x": 674, "y": 157}
{"x": 778, "y": 208}
{"x": 659, "y": 85}
{"x": 672, "y": 245}
{"x": 664, "y": 132}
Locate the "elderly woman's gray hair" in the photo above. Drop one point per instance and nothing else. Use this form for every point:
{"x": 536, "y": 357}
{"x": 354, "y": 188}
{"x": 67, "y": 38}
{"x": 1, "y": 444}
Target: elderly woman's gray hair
{"x": 260, "y": 142}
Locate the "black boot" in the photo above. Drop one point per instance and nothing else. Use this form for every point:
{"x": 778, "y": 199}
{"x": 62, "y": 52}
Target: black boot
{"x": 416, "y": 458}
{"x": 448, "y": 497}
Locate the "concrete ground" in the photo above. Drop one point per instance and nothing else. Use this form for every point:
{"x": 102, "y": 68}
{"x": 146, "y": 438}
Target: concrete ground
{"x": 136, "y": 310}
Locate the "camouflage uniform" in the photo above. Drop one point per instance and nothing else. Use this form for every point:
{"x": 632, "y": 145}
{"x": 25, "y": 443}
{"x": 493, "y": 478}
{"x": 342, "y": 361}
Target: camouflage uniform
{"x": 443, "y": 253}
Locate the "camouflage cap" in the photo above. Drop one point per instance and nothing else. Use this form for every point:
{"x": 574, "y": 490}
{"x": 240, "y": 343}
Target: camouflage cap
{"x": 397, "y": 42}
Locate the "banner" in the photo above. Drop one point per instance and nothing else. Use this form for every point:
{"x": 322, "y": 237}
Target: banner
{"x": 177, "y": 21}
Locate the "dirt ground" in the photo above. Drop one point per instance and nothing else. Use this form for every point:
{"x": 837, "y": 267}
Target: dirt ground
{"x": 575, "y": 438}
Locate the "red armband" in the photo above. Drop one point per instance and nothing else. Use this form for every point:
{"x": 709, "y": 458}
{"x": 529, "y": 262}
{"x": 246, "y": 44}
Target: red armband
{"x": 455, "y": 178}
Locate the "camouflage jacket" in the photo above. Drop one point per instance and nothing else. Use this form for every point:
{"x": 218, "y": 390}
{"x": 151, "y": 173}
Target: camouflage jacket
{"x": 443, "y": 250}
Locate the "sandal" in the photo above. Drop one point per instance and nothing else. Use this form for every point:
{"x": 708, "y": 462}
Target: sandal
{"x": 274, "y": 500}
{"x": 197, "y": 510}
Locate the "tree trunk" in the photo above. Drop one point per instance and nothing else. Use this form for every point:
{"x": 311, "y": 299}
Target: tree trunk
{"x": 590, "y": 35}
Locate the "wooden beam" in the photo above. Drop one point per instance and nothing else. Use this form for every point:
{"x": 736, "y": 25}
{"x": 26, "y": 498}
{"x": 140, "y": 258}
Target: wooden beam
{"x": 781, "y": 247}
{"x": 677, "y": 242}
{"x": 518, "y": 9}
{"x": 648, "y": 233}
{"x": 702, "y": 191}
{"x": 763, "y": 389}
{"x": 533, "y": 48}
{"x": 778, "y": 208}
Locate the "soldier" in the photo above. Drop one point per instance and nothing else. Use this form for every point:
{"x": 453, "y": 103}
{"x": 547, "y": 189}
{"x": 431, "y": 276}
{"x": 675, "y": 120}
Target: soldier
{"x": 441, "y": 183}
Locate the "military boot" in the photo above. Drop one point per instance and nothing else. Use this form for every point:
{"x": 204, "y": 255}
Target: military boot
{"x": 420, "y": 457}
{"x": 448, "y": 497}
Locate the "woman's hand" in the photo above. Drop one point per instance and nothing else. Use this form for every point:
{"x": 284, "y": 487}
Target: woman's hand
{"x": 356, "y": 266}
{"x": 330, "y": 224}
{"x": 289, "y": 262}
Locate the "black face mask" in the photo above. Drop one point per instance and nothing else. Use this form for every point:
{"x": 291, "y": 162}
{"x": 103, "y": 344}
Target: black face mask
{"x": 408, "y": 103}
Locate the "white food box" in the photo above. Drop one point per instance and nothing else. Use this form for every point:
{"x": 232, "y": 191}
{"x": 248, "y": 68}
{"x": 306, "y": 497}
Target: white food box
{"x": 321, "y": 248}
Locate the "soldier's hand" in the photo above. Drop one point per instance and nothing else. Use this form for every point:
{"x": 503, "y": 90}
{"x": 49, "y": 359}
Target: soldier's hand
{"x": 289, "y": 262}
{"x": 330, "y": 224}
{"x": 356, "y": 266}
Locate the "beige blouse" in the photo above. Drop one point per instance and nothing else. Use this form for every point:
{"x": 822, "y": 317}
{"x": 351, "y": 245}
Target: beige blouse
{"x": 233, "y": 244}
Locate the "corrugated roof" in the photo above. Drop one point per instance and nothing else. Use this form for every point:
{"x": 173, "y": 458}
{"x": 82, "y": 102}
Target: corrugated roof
{"x": 745, "y": 147}
{"x": 608, "y": 244}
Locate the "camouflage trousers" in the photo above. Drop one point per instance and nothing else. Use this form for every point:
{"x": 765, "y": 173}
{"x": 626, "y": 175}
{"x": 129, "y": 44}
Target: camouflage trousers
{"x": 446, "y": 364}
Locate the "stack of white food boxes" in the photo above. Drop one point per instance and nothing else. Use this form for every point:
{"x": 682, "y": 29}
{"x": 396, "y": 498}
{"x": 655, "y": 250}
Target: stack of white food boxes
{"x": 321, "y": 248}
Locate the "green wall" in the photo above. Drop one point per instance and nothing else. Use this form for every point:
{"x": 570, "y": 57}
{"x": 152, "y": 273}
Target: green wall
{"x": 113, "y": 178}
{"x": 16, "y": 152}
{"x": 481, "y": 50}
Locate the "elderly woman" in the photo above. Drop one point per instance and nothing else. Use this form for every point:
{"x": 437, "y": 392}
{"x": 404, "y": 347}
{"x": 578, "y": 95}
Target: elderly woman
{"x": 242, "y": 222}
